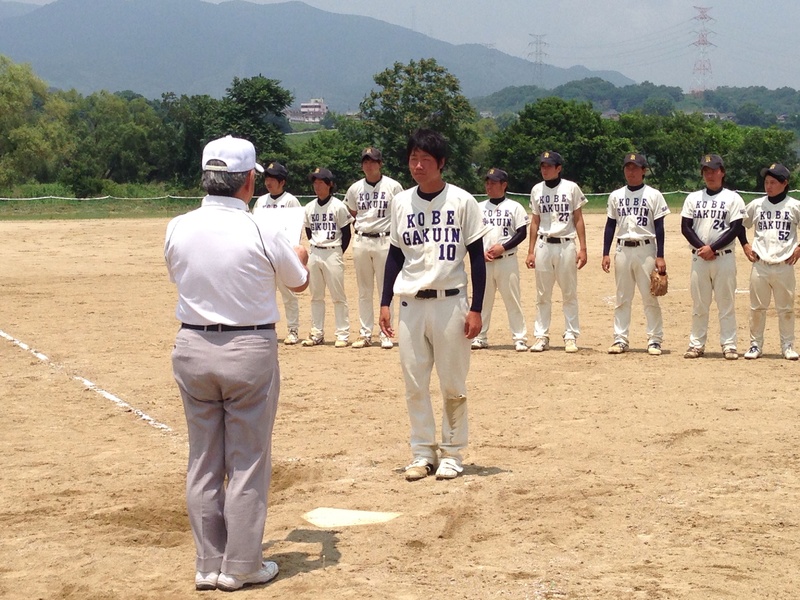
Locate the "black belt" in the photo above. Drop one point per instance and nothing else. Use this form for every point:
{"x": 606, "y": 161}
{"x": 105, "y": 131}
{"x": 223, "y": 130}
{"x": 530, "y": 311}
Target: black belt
{"x": 373, "y": 235}
{"x": 504, "y": 255}
{"x": 720, "y": 253}
{"x": 324, "y": 247}
{"x": 219, "y": 327}
{"x": 553, "y": 240}
{"x": 634, "y": 244}
{"x": 427, "y": 294}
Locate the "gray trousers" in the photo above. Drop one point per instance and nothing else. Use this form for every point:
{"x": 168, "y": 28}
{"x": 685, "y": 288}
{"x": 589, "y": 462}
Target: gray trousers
{"x": 229, "y": 383}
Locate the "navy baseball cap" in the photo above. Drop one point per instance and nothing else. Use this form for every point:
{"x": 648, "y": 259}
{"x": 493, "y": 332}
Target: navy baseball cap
{"x": 496, "y": 175}
{"x": 712, "y": 161}
{"x": 778, "y": 171}
{"x": 372, "y": 153}
{"x": 276, "y": 169}
{"x": 320, "y": 173}
{"x": 637, "y": 159}
{"x": 550, "y": 158}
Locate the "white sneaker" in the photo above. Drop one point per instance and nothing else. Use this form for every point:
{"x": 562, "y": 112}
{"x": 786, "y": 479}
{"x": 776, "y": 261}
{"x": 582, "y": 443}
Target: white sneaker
{"x": 206, "y": 581}
{"x": 448, "y": 469}
{"x": 570, "y": 346}
{"x": 386, "y": 343}
{"x": 540, "y": 345}
{"x": 291, "y": 338}
{"x": 654, "y": 349}
{"x": 419, "y": 469}
{"x": 520, "y": 346}
{"x": 362, "y": 342}
{"x": 753, "y": 352}
{"x": 230, "y": 583}
{"x": 790, "y": 353}
{"x": 478, "y": 344}
{"x": 341, "y": 344}
{"x": 618, "y": 348}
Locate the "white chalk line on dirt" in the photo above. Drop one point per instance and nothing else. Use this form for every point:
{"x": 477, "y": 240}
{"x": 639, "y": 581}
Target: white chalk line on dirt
{"x": 89, "y": 385}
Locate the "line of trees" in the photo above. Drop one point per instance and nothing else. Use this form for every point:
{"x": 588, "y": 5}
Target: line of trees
{"x": 88, "y": 142}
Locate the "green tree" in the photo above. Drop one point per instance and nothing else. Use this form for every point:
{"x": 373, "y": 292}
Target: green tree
{"x": 421, "y": 94}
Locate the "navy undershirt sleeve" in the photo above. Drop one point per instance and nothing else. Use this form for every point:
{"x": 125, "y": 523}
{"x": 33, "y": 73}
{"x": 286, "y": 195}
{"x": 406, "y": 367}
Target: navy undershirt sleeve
{"x": 659, "y": 225}
{"x": 689, "y": 233}
{"x": 517, "y": 238}
{"x": 394, "y": 264}
{"x": 346, "y": 235}
{"x": 729, "y": 236}
{"x": 608, "y": 235}
{"x": 477, "y": 266}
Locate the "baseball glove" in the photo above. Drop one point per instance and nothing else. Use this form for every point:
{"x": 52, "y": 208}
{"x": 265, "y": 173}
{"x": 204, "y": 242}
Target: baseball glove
{"x": 658, "y": 283}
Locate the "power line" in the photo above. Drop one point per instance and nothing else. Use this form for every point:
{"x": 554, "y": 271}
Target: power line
{"x": 539, "y": 54}
{"x": 702, "y": 65}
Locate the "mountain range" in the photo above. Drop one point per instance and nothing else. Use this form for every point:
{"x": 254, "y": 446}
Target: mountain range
{"x": 193, "y": 47}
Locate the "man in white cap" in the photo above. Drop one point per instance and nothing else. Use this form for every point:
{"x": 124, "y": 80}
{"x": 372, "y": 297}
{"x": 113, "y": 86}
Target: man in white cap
{"x": 225, "y": 362}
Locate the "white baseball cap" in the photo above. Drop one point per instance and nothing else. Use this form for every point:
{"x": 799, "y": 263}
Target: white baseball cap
{"x": 238, "y": 155}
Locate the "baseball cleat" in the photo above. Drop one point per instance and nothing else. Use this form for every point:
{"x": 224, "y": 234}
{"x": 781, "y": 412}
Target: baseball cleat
{"x": 448, "y": 469}
{"x": 313, "y": 341}
{"x": 540, "y": 345}
{"x": 618, "y": 348}
{"x": 753, "y": 352}
{"x": 230, "y": 583}
{"x": 730, "y": 353}
{"x": 419, "y": 469}
{"x": 386, "y": 343}
{"x": 291, "y": 338}
{"x": 654, "y": 349}
{"x": 479, "y": 344}
{"x": 790, "y": 353}
{"x": 694, "y": 352}
{"x": 363, "y": 342}
{"x": 206, "y": 581}
{"x": 570, "y": 346}
{"x": 520, "y": 346}
{"x": 340, "y": 344}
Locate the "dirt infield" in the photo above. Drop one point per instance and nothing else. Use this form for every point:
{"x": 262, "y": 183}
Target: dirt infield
{"x": 587, "y": 476}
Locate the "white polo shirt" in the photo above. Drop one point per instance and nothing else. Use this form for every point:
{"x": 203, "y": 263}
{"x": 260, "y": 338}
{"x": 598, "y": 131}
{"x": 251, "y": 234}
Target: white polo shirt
{"x": 225, "y": 265}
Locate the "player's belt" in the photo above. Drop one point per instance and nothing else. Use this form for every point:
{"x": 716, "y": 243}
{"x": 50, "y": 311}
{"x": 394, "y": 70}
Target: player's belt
{"x": 219, "y": 327}
{"x": 428, "y": 294}
{"x": 324, "y": 247}
{"x": 504, "y": 255}
{"x": 720, "y": 253}
{"x": 633, "y": 243}
{"x": 553, "y": 240}
{"x": 373, "y": 235}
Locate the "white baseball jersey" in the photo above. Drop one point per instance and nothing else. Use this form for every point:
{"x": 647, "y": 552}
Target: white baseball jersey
{"x": 712, "y": 215}
{"x": 774, "y": 227}
{"x": 503, "y": 220}
{"x": 326, "y": 222}
{"x": 636, "y": 212}
{"x": 555, "y": 207}
{"x": 434, "y": 236}
{"x": 285, "y": 200}
{"x": 371, "y": 203}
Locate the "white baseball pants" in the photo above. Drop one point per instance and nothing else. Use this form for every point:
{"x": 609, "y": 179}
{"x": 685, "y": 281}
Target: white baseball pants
{"x": 716, "y": 276}
{"x": 326, "y": 269}
{"x": 556, "y": 263}
{"x": 431, "y": 332}
{"x": 291, "y": 307}
{"x": 776, "y": 280}
{"x": 369, "y": 259}
{"x": 503, "y": 274}
{"x": 632, "y": 268}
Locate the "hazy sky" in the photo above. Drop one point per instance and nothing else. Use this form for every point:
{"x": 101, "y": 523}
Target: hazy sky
{"x": 754, "y": 43}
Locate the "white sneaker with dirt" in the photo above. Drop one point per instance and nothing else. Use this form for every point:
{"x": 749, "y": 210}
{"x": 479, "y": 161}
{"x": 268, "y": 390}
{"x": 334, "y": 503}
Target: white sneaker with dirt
{"x": 448, "y": 469}
{"x": 420, "y": 468}
{"x": 753, "y": 353}
{"x": 386, "y": 343}
{"x": 654, "y": 349}
{"x": 362, "y": 342}
{"x": 540, "y": 345}
{"x": 479, "y": 344}
{"x": 313, "y": 341}
{"x": 694, "y": 352}
{"x": 790, "y": 353}
{"x": 520, "y": 346}
{"x": 206, "y": 581}
{"x": 231, "y": 583}
{"x": 730, "y": 353}
{"x": 291, "y": 338}
{"x": 570, "y": 346}
{"x": 618, "y": 348}
{"x": 341, "y": 344}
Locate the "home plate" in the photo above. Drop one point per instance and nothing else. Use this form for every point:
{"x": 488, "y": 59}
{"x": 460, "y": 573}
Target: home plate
{"x": 341, "y": 517}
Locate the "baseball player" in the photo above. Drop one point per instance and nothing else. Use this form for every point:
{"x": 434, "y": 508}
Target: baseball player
{"x": 556, "y": 221}
{"x": 508, "y": 222}
{"x": 774, "y": 252}
{"x": 369, "y": 201}
{"x": 711, "y": 220}
{"x": 327, "y": 224}
{"x": 635, "y": 215}
{"x": 433, "y": 227}
{"x": 275, "y": 175}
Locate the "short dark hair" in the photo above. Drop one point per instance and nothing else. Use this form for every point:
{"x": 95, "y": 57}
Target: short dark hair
{"x": 427, "y": 140}
{"x": 222, "y": 183}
